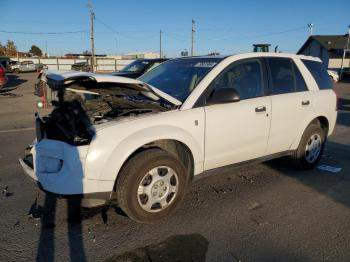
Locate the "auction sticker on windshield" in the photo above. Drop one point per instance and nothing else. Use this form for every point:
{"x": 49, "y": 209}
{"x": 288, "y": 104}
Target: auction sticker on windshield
{"x": 205, "y": 64}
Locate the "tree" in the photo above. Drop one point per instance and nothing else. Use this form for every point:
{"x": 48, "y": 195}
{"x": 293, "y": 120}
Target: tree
{"x": 2, "y": 49}
{"x": 86, "y": 52}
{"x": 11, "y": 49}
{"x": 35, "y": 51}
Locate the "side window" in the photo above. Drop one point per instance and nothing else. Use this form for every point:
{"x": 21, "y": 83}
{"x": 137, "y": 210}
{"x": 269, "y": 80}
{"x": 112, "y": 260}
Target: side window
{"x": 319, "y": 72}
{"x": 300, "y": 85}
{"x": 246, "y": 77}
{"x": 281, "y": 74}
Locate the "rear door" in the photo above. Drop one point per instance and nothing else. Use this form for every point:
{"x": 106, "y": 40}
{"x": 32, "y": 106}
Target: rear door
{"x": 291, "y": 100}
{"x": 238, "y": 131}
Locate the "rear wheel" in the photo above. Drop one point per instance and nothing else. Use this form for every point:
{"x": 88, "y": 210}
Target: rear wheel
{"x": 151, "y": 185}
{"x": 310, "y": 148}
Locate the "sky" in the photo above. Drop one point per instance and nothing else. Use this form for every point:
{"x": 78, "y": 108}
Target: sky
{"x": 121, "y": 27}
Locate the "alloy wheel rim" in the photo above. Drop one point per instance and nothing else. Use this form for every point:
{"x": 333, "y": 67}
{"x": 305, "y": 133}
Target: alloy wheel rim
{"x": 313, "y": 148}
{"x": 157, "y": 189}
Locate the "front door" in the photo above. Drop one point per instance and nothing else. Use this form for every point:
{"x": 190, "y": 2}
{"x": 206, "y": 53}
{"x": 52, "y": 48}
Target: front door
{"x": 238, "y": 131}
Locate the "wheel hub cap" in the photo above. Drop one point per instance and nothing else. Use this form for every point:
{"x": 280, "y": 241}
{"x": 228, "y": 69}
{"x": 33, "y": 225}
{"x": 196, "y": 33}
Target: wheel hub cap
{"x": 158, "y": 189}
{"x": 313, "y": 148}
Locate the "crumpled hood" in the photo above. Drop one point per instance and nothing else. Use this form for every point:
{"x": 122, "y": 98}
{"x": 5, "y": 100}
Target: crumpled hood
{"x": 59, "y": 79}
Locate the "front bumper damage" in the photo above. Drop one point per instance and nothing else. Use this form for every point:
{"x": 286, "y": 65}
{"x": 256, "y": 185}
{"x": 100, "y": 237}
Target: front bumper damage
{"x": 58, "y": 168}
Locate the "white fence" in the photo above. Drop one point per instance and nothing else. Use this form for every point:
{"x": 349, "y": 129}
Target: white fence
{"x": 101, "y": 65}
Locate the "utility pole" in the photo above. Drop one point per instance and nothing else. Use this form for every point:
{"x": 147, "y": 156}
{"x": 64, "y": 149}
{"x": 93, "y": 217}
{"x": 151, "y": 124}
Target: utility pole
{"x": 46, "y": 48}
{"x": 311, "y": 27}
{"x": 160, "y": 44}
{"x": 192, "y": 42}
{"x": 346, "y": 50}
{"x": 116, "y": 46}
{"x": 92, "y": 17}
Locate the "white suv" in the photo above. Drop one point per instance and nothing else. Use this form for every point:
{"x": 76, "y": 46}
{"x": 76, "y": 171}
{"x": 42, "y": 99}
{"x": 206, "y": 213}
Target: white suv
{"x": 143, "y": 140}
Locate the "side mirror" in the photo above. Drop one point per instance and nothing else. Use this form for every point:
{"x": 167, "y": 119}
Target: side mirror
{"x": 223, "y": 95}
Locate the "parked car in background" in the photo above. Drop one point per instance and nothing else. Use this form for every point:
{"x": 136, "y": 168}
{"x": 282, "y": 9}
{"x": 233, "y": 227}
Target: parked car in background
{"x": 81, "y": 66}
{"x": 144, "y": 140}
{"x": 3, "y": 78}
{"x": 139, "y": 67}
{"x": 25, "y": 66}
{"x": 333, "y": 75}
{"x": 5, "y": 61}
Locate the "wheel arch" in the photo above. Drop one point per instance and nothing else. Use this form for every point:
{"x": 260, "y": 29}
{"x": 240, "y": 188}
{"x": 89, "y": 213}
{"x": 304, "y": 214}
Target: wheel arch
{"x": 320, "y": 120}
{"x": 168, "y": 138}
{"x": 173, "y": 147}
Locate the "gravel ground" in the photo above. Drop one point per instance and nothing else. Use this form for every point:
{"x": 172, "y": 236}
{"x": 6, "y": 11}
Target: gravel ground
{"x": 264, "y": 212}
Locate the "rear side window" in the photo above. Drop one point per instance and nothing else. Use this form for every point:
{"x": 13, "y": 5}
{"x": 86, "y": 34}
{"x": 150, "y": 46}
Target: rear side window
{"x": 285, "y": 76}
{"x": 300, "y": 85}
{"x": 281, "y": 75}
{"x": 319, "y": 72}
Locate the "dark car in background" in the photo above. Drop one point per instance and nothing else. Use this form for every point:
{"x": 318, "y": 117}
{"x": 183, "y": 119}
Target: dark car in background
{"x": 139, "y": 67}
{"x": 81, "y": 66}
{"x": 5, "y": 62}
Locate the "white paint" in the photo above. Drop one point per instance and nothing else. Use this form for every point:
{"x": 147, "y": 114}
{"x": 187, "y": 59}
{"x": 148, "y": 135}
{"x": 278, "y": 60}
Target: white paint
{"x": 225, "y": 134}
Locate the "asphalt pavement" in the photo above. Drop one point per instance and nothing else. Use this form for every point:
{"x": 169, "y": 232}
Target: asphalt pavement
{"x": 263, "y": 212}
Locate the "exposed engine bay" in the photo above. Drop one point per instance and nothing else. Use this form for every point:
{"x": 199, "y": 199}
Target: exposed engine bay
{"x": 82, "y": 104}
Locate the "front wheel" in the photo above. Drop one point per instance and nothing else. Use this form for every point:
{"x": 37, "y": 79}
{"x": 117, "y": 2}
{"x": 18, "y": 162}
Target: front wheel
{"x": 151, "y": 185}
{"x": 310, "y": 148}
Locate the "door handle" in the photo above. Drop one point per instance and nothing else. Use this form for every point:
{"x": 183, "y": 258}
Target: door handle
{"x": 260, "y": 109}
{"x": 305, "y": 103}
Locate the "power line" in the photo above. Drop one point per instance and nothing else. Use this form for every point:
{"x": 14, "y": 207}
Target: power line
{"x": 109, "y": 27}
{"x": 122, "y": 34}
{"x": 43, "y": 33}
{"x": 253, "y": 36}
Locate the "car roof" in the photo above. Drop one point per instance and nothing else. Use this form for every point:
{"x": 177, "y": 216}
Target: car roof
{"x": 254, "y": 54}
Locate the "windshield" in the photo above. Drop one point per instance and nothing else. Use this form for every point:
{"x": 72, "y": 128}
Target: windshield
{"x": 179, "y": 77}
{"x": 136, "y": 66}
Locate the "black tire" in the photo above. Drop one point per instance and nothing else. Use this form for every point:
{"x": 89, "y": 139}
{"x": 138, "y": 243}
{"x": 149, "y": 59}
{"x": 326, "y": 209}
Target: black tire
{"x": 16, "y": 71}
{"x": 133, "y": 173}
{"x": 299, "y": 156}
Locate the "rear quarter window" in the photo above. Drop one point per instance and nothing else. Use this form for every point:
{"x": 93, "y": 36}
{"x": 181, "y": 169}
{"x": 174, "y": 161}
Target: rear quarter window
{"x": 319, "y": 72}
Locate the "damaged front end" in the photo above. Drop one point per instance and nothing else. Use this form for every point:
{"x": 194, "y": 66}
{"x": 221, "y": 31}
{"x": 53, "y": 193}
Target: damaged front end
{"x": 83, "y": 101}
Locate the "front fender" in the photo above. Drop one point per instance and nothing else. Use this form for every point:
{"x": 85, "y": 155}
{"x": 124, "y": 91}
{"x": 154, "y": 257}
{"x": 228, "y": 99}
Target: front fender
{"x": 113, "y": 145}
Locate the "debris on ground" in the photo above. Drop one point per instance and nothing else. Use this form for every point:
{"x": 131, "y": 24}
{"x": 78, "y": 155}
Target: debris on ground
{"x": 257, "y": 220}
{"x": 255, "y": 206}
{"x": 236, "y": 259}
{"x": 11, "y": 95}
{"x": 216, "y": 191}
{"x": 243, "y": 177}
{"x": 6, "y": 192}
{"x": 17, "y": 223}
{"x": 329, "y": 168}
